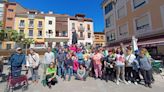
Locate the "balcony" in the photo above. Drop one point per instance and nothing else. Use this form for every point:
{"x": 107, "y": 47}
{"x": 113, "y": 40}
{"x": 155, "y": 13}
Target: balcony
{"x": 31, "y": 25}
{"x": 40, "y": 26}
{"x": 81, "y": 29}
{"x": 21, "y": 25}
{"x": 40, "y": 36}
{"x": 31, "y": 16}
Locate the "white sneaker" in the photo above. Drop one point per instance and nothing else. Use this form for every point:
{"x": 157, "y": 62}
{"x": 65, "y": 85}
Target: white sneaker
{"x": 135, "y": 83}
{"x": 129, "y": 82}
{"x": 125, "y": 82}
{"x": 117, "y": 82}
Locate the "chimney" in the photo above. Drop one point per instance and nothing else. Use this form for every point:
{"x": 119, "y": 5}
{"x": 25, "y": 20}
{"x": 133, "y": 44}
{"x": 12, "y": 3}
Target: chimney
{"x": 50, "y": 12}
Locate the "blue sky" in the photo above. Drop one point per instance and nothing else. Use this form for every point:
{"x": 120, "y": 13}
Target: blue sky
{"x": 91, "y": 8}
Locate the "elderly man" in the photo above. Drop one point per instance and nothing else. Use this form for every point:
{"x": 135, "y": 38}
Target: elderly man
{"x": 16, "y": 61}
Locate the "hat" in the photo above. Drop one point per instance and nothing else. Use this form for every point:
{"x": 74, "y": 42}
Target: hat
{"x": 18, "y": 48}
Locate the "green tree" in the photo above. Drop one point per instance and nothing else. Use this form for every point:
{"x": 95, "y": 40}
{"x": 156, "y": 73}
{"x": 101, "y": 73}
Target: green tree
{"x": 26, "y": 42}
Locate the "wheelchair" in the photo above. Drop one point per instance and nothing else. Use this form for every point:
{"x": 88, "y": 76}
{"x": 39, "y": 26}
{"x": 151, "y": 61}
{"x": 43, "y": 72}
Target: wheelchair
{"x": 20, "y": 82}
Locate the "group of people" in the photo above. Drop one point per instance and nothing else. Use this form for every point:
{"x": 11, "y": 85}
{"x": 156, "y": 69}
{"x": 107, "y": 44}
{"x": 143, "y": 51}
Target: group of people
{"x": 116, "y": 64}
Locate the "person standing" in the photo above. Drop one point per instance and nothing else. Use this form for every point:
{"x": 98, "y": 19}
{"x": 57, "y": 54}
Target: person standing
{"x": 68, "y": 67}
{"x": 60, "y": 62}
{"x": 130, "y": 60}
{"x": 145, "y": 68}
{"x": 33, "y": 62}
{"x": 97, "y": 64}
{"x": 16, "y": 61}
{"x": 48, "y": 58}
{"x": 120, "y": 66}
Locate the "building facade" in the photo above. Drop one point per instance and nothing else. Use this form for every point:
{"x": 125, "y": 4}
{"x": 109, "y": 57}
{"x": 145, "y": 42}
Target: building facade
{"x": 83, "y": 27}
{"x": 143, "y": 19}
{"x": 47, "y": 29}
{"x": 32, "y": 25}
{"x": 99, "y": 39}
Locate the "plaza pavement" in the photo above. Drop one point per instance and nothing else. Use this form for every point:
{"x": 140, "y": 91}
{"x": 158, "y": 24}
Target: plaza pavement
{"x": 91, "y": 85}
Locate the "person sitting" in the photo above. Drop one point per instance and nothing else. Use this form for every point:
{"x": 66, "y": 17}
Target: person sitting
{"x": 81, "y": 73}
{"x": 51, "y": 75}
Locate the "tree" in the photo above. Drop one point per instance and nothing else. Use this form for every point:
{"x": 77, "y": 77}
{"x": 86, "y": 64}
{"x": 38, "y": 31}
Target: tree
{"x": 27, "y": 41}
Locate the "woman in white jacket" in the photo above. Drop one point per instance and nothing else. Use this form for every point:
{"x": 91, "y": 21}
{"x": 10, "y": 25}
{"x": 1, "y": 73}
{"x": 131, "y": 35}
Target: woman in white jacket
{"x": 33, "y": 64}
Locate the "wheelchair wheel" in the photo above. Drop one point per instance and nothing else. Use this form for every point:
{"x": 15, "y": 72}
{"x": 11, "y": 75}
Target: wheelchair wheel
{"x": 8, "y": 89}
{"x": 25, "y": 87}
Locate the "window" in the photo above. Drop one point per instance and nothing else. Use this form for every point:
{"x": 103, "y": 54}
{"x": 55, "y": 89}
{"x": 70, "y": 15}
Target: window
{"x": 109, "y": 21}
{"x": 108, "y": 8}
{"x": 40, "y": 24}
{"x": 123, "y": 30}
{"x": 121, "y": 12}
{"x": 50, "y": 32}
{"x": 57, "y": 33}
{"x": 64, "y": 33}
{"x": 73, "y": 25}
{"x": 22, "y": 24}
{"x": 39, "y": 33}
{"x": 111, "y": 37}
{"x": 10, "y": 10}
{"x": 9, "y": 19}
{"x": 139, "y": 3}
{"x": 30, "y": 32}
{"x": 88, "y": 27}
{"x": 1, "y": 9}
{"x": 8, "y": 28}
{"x": 8, "y": 46}
{"x": 81, "y": 34}
{"x": 50, "y": 22}
{"x": 81, "y": 27}
{"x": 107, "y": 38}
{"x": 21, "y": 31}
{"x": 102, "y": 37}
{"x": 89, "y": 35}
{"x": 31, "y": 23}
{"x": 142, "y": 24}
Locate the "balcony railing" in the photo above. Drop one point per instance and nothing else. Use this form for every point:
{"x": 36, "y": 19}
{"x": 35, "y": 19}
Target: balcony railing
{"x": 40, "y": 26}
{"x": 81, "y": 28}
{"x": 21, "y": 25}
{"x": 31, "y": 26}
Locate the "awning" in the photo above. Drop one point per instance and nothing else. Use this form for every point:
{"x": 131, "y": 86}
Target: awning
{"x": 151, "y": 42}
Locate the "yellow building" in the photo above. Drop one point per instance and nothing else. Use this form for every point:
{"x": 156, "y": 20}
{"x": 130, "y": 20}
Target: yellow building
{"x": 99, "y": 39}
{"x": 32, "y": 25}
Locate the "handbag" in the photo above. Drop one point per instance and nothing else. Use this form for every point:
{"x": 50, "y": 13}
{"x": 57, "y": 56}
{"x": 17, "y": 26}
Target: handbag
{"x": 35, "y": 61}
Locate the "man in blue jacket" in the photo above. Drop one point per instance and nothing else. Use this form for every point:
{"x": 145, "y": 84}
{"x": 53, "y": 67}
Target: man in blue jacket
{"x": 16, "y": 61}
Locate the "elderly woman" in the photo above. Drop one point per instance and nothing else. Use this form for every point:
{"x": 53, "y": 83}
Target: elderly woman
{"x": 51, "y": 75}
{"x": 145, "y": 68}
{"x": 33, "y": 62}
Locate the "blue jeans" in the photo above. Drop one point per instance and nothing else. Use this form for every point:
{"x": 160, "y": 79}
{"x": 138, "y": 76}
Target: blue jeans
{"x": 34, "y": 73}
{"x": 60, "y": 68}
{"x": 68, "y": 71}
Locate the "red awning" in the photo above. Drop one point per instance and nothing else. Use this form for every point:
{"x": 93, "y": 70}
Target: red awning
{"x": 39, "y": 42}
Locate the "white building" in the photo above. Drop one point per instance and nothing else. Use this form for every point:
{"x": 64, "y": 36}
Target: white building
{"x": 50, "y": 30}
{"x": 83, "y": 27}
